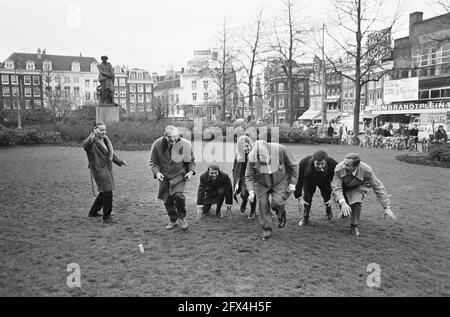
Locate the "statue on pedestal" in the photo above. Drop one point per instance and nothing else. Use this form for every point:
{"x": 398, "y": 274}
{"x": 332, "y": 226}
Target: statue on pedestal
{"x": 106, "y": 79}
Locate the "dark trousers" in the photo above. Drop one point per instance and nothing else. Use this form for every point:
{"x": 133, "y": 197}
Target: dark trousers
{"x": 175, "y": 206}
{"x": 105, "y": 201}
{"x": 212, "y": 198}
{"x": 309, "y": 189}
{"x": 244, "y": 196}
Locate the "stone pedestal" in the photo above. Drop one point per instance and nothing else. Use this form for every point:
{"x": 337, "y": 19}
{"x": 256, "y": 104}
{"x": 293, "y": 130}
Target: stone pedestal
{"x": 108, "y": 113}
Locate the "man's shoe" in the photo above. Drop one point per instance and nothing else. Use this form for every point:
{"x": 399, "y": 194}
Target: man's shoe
{"x": 109, "y": 220}
{"x": 282, "y": 219}
{"x": 304, "y": 221}
{"x": 219, "y": 214}
{"x": 252, "y": 215}
{"x": 183, "y": 223}
{"x": 354, "y": 231}
{"x": 242, "y": 209}
{"x": 171, "y": 225}
{"x": 94, "y": 215}
{"x": 266, "y": 235}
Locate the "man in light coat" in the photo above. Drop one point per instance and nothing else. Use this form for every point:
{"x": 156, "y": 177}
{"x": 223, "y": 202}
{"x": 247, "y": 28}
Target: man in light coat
{"x": 351, "y": 181}
{"x": 172, "y": 163}
{"x": 271, "y": 171}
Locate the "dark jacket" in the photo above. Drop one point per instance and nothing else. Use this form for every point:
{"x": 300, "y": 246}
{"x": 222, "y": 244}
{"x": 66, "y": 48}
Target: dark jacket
{"x": 208, "y": 188}
{"x": 239, "y": 170}
{"x": 307, "y": 173}
{"x": 174, "y": 165}
{"x": 441, "y": 135}
{"x": 100, "y": 163}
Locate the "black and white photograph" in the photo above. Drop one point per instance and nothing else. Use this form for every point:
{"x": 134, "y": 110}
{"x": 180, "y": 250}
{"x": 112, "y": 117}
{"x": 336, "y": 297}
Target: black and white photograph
{"x": 225, "y": 155}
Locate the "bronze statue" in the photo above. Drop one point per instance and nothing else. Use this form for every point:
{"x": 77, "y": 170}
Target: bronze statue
{"x": 106, "y": 79}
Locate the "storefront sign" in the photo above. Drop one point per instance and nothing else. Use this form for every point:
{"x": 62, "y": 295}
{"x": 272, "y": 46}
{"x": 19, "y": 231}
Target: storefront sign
{"x": 412, "y": 107}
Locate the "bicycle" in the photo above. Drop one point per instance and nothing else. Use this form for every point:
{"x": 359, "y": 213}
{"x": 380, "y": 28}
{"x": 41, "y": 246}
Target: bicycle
{"x": 412, "y": 145}
{"x": 425, "y": 145}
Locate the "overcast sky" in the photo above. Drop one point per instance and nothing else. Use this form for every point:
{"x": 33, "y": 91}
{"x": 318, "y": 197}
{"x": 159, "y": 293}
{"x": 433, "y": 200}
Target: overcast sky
{"x": 151, "y": 34}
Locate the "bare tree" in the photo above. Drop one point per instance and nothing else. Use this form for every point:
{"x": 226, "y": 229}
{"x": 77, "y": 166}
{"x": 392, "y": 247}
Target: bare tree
{"x": 223, "y": 73}
{"x": 286, "y": 47}
{"x": 249, "y": 56}
{"x": 357, "y": 19}
{"x": 55, "y": 98}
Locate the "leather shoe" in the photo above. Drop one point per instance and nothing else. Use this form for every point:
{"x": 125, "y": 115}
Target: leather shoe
{"x": 252, "y": 215}
{"x": 183, "y": 223}
{"x": 282, "y": 219}
{"x": 266, "y": 235}
{"x": 329, "y": 214}
{"x": 304, "y": 221}
{"x": 109, "y": 220}
{"x": 94, "y": 215}
{"x": 354, "y": 231}
{"x": 219, "y": 214}
{"x": 171, "y": 225}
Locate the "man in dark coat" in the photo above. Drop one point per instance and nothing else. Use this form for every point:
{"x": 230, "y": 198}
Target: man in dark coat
{"x": 271, "y": 171}
{"x": 214, "y": 188}
{"x": 101, "y": 155}
{"x": 172, "y": 163}
{"x": 244, "y": 146}
{"x": 316, "y": 170}
{"x": 441, "y": 135}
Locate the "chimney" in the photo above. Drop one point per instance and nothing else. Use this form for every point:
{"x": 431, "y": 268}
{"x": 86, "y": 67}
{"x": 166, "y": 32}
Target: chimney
{"x": 39, "y": 55}
{"x": 414, "y": 18}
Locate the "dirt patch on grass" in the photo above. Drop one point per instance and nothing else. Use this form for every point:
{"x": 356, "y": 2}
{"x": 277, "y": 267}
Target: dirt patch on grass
{"x": 45, "y": 194}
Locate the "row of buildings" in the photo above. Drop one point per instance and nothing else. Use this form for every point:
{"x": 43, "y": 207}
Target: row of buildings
{"x": 412, "y": 77}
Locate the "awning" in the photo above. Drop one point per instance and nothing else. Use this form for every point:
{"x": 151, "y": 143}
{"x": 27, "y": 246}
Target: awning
{"x": 309, "y": 115}
{"x": 332, "y": 115}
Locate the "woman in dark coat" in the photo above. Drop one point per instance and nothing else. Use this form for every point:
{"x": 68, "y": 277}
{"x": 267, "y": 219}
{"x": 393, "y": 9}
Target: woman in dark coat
{"x": 101, "y": 155}
{"x": 244, "y": 146}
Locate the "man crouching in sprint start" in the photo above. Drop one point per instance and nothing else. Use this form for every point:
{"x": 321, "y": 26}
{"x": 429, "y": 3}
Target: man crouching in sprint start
{"x": 351, "y": 182}
{"x": 271, "y": 171}
{"x": 315, "y": 171}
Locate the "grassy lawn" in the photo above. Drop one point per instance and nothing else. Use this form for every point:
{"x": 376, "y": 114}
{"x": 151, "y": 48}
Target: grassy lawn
{"x": 45, "y": 194}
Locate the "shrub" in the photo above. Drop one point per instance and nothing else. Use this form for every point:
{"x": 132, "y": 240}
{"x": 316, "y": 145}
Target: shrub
{"x": 440, "y": 153}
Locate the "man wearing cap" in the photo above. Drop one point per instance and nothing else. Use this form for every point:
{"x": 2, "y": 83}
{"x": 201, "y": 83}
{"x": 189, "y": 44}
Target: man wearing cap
{"x": 106, "y": 79}
{"x": 271, "y": 171}
{"x": 214, "y": 188}
{"x": 351, "y": 181}
{"x": 316, "y": 170}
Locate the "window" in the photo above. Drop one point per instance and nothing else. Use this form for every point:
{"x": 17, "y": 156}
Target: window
{"x": 177, "y": 98}
{"x": 123, "y": 93}
{"x": 37, "y": 102}
{"x": 76, "y": 91}
{"x": 140, "y": 75}
{"x": 123, "y": 103}
{"x": 140, "y": 98}
{"x": 147, "y": 76}
{"x": 194, "y": 96}
{"x": 148, "y": 98}
{"x": 5, "y": 79}
{"x": 67, "y": 80}
{"x": 88, "y": 95}
{"x": 76, "y": 80}
{"x": 36, "y": 80}
{"x": 424, "y": 94}
{"x": 205, "y": 84}
{"x": 116, "y": 81}
{"x": 171, "y": 98}
{"x": 27, "y": 80}
{"x": 14, "y": 91}
{"x": 132, "y": 88}
{"x": 95, "y": 83}
{"x": 281, "y": 103}
{"x": 87, "y": 83}
{"x": 30, "y": 65}
{"x": 141, "y": 88}
{"x": 5, "y": 92}
{"x": 133, "y": 75}
{"x": 75, "y": 67}
{"x": 116, "y": 93}
{"x": 122, "y": 82}
{"x": 37, "y": 92}
{"x": 14, "y": 79}
{"x": 194, "y": 85}
{"x": 436, "y": 93}
{"x": 9, "y": 65}
{"x": 445, "y": 93}
{"x": 47, "y": 66}
{"x": 280, "y": 87}
{"x": 27, "y": 104}
{"x": 27, "y": 92}
{"x": 133, "y": 97}
{"x": 205, "y": 96}
{"x": 66, "y": 92}
{"x": 148, "y": 88}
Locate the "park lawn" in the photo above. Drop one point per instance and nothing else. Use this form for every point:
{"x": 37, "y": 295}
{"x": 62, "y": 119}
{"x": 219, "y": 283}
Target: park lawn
{"x": 45, "y": 194}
